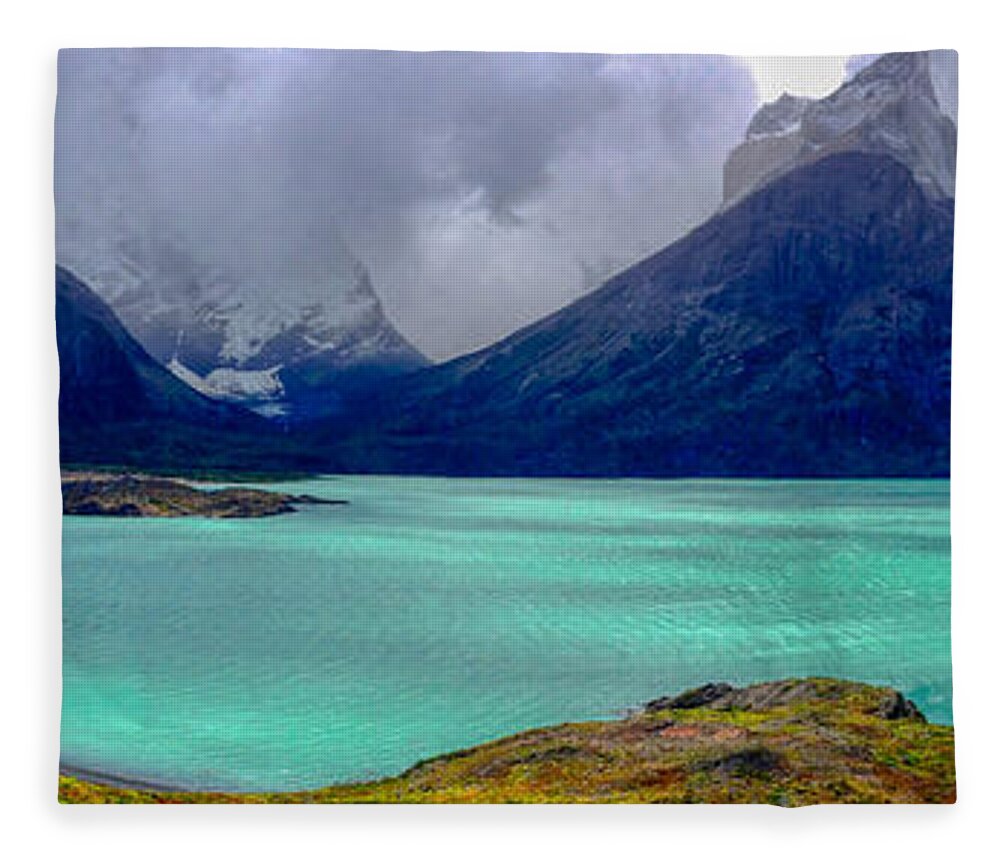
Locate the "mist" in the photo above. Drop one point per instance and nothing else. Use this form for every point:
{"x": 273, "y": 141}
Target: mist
{"x": 481, "y": 191}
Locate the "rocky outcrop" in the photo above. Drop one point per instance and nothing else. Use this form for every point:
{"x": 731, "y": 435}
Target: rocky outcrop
{"x": 773, "y": 141}
{"x": 111, "y": 495}
{"x": 890, "y": 108}
{"x": 885, "y": 703}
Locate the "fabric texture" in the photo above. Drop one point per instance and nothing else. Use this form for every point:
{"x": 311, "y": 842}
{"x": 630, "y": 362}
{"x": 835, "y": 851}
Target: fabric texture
{"x": 486, "y": 428}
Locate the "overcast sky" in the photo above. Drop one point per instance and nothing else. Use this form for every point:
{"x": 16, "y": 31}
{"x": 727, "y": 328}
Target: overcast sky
{"x": 480, "y": 190}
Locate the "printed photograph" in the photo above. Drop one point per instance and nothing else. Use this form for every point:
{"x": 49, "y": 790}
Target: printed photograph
{"x": 462, "y": 427}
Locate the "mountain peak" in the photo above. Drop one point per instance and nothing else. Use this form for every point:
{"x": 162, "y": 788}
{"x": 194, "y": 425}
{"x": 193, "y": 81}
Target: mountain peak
{"x": 890, "y": 107}
{"x": 106, "y": 377}
{"x": 802, "y": 331}
{"x": 781, "y": 116}
{"x": 911, "y": 68}
{"x": 281, "y": 342}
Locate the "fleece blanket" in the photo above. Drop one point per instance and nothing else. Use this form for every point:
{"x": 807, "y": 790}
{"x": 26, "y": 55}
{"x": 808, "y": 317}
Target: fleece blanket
{"x": 468, "y": 427}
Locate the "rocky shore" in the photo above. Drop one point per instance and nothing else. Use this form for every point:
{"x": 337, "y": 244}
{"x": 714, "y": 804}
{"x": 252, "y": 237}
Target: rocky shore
{"x": 134, "y": 495}
{"x": 787, "y": 743}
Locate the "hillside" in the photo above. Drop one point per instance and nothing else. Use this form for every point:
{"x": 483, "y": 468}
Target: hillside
{"x": 788, "y": 743}
{"x": 805, "y": 331}
{"x": 118, "y": 405}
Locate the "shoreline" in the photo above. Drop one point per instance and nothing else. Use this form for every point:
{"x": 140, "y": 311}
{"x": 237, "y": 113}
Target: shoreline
{"x": 796, "y": 742}
{"x": 98, "y": 777}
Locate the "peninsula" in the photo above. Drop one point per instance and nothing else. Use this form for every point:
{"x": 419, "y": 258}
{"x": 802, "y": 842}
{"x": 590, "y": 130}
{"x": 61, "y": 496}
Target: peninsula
{"x": 135, "y": 495}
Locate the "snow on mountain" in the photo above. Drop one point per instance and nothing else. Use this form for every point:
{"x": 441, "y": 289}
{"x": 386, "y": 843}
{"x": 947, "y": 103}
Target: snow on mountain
{"x": 226, "y": 383}
{"x": 117, "y": 404}
{"x": 781, "y": 117}
{"x": 891, "y": 107}
{"x": 242, "y": 333}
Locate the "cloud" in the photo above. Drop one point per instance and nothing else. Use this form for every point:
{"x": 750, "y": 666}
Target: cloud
{"x": 481, "y": 190}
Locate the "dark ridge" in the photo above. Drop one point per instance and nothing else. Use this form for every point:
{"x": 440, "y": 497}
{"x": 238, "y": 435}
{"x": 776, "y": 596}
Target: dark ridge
{"x": 117, "y": 405}
{"x": 804, "y": 332}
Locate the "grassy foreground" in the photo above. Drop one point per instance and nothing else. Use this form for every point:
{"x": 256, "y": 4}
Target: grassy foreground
{"x": 789, "y": 743}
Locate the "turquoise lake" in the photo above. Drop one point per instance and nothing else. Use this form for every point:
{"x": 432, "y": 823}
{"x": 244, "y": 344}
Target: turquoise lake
{"x": 347, "y": 643}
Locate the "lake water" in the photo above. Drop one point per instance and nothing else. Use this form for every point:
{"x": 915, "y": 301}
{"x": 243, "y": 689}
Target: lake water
{"x": 346, "y": 643}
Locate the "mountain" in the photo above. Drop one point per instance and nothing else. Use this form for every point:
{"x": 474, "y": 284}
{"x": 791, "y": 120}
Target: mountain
{"x": 118, "y": 405}
{"x": 803, "y": 331}
{"x": 891, "y": 108}
{"x": 294, "y": 344}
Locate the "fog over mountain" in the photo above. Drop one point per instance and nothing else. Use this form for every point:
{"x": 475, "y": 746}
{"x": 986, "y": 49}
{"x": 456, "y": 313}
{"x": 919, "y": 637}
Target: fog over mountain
{"x": 475, "y": 192}
{"x": 480, "y": 191}
{"x": 803, "y": 329}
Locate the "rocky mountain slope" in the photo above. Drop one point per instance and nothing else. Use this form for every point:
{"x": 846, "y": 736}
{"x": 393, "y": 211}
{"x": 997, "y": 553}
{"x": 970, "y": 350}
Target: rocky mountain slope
{"x": 786, "y": 743}
{"x": 104, "y": 374}
{"x": 804, "y": 331}
{"x": 890, "y": 108}
{"x": 118, "y": 405}
{"x": 293, "y": 346}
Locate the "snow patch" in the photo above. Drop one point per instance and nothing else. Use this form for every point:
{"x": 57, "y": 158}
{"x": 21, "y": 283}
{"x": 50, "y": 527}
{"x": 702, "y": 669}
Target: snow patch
{"x": 792, "y": 128}
{"x": 226, "y": 383}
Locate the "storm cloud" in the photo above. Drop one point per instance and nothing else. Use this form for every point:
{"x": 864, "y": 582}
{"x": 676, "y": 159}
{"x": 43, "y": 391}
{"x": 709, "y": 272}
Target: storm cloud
{"x": 481, "y": 190}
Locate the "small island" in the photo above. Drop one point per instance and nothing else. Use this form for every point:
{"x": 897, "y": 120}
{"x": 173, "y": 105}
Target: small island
{"x": 786, "y": 743}
{"x": 106, "y": 494}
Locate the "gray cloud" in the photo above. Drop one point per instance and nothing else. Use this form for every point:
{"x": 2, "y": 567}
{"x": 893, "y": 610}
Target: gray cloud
{"x": 481, "y": 190}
